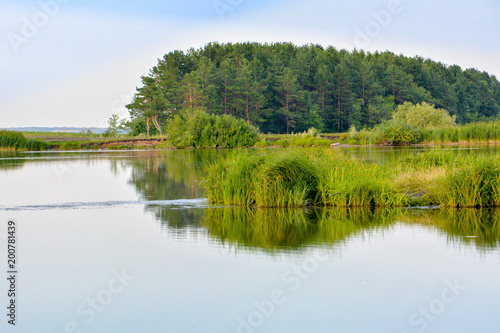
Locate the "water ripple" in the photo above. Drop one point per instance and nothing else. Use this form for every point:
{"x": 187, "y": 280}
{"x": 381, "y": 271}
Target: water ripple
{"x": 173, "y": 204}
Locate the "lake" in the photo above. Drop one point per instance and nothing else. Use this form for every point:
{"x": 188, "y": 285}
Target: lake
{"x": 125, "y": 242}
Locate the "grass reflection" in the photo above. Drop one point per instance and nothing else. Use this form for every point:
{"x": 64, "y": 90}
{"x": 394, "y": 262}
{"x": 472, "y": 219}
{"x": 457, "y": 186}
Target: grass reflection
{"x": 293, "y": 228}
{"x": 480, "y": 227}
{"x": 271, "y": 228}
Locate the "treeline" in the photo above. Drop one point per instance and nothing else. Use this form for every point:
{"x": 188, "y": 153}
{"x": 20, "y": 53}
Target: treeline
{"x": 283, "y": 88}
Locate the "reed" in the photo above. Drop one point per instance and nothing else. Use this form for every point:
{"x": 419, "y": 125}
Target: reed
{"x": 477, "y": 184}
{"x": 17, "y": 141}
{"x": 322, "y": 177}
{"x": 293, "y": 178}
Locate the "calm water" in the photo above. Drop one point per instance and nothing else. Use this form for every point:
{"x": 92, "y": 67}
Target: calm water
{"x": 125, "y": 242}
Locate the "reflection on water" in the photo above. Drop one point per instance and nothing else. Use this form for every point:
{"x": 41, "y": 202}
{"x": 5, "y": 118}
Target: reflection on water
{"x": 292, "y": 228}
{"x": 469, "y": 226}
{"x": 168, "y": 184}
{"x": 296, "y": 228}
{"x": 168, "y": 175}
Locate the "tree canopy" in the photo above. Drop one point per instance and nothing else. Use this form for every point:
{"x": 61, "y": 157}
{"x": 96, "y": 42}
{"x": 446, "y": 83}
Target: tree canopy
{"x": 284, "y": 88}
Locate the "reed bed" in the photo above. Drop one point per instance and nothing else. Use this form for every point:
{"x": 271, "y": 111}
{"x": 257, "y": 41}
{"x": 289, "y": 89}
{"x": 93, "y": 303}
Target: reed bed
{"x": 16, "y": 141}
{"x": 322, "y": 177}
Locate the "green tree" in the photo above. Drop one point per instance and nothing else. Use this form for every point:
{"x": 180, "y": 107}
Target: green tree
{"x": 289, "y": 96}
{"x": 115, "y": 125}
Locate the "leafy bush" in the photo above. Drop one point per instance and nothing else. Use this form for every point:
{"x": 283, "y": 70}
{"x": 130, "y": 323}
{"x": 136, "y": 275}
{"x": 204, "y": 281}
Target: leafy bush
{"x": 395, "y": 133}
{"x": 422, "y": 116}
{"x": 198, "y": 129}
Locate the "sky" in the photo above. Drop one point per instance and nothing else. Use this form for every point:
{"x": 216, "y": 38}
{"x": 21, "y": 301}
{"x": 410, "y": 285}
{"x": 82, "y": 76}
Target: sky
{"x": 76, "y": 62}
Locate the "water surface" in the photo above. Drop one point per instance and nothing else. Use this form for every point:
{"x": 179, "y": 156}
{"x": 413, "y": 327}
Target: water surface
{"x": 125, "y": 242}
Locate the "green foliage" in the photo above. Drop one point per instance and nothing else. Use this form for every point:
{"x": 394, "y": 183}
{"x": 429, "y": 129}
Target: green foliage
{"x": 395, "y": 133}
{"x": 198, "y": 129}
{"x": 474, "y": 185}
{"x": 116, "y": 126}
{"x": 70, "y": 146}
{"x": 283, "y": 88}
{"x": 423, "y": 116}
{"x": 17, "y": 141}
{"x": 284, "y": 179}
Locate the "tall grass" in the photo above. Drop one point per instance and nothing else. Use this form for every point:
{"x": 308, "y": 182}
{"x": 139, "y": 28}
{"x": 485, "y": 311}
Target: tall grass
{"x": 17, "y": 141}
{"x": 293, "y": 178}
{"x": 309, "y": 138}
{"x": 476, "y": 184}
{"x": 322, "y": 177}
{"x": 472, "y": 133}
{"x": 394, "y": 133}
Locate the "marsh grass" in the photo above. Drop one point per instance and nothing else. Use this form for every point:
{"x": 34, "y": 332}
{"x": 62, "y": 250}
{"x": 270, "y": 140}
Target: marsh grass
{"x": 306, "y": 139}
{"x": 322, "y": 177}
{"x": 70, "y": 146}
{"x": 476, "y": 184}
{"x": 16, "y": 141}
{"x": 293, "y": 178}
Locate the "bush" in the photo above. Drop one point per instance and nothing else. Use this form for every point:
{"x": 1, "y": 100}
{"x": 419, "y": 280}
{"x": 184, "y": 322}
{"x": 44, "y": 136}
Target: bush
{"x": 396, "y": 133}
{"x": 423, "y": 116}
{"x": 198, "y": 129}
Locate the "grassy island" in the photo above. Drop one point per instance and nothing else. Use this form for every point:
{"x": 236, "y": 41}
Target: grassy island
{"x": 322, "y": 177}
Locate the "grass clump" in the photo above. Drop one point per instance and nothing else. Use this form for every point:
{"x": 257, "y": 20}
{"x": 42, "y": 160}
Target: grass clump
{"x": 17, "y": 141}
{"x": 70, "y": 146}
{"x": 309, "y": 138}
{"x": 322, "y": 177}
{"x": 476, "y": 184}
{"x": 293, "y": 178}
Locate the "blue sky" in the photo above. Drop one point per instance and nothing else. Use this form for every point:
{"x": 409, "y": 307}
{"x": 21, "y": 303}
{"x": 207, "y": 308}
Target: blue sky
{"x": 75, "y": 62}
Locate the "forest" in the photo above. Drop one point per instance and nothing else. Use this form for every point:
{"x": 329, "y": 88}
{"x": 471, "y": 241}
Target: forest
{"x": 284, "y": 88}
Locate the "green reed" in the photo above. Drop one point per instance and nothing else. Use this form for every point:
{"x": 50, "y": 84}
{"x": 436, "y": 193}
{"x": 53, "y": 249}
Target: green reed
{"x": 322, "y": 177}
{"x": 17, "y": 141}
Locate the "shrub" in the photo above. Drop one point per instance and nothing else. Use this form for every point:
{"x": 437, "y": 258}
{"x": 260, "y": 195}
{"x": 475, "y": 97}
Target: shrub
{"x": 396, "y": 133}
{"x": 422, "y": 116}
{"x": 198, "y": 129}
